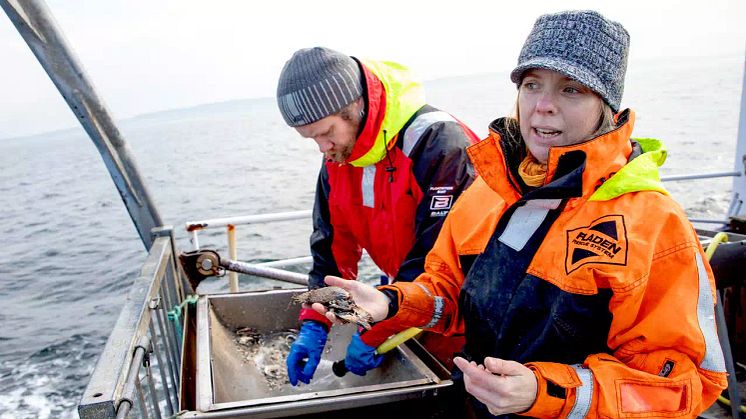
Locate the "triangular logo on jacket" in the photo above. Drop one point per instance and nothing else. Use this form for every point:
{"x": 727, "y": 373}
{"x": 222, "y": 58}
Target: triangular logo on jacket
{"x": 604, "y": 241}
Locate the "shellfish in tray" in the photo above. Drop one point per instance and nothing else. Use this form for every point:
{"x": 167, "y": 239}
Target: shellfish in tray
{"x": 339, "y": 302}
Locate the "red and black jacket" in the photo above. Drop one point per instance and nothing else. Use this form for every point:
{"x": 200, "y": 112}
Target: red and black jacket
{"x": 394, "y": 208}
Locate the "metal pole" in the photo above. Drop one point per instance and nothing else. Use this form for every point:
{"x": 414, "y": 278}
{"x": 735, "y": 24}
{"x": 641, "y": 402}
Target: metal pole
{"x": 247, "y": 219}
{"x": 739, "y": 183}
{"x": 38, "y": 28}
{"x": 161, "y": 365}
{"x": 700, "y": 176}
{"x": 160, "y": 317}
{"x": 233, "y": 254}
{"x": 706, "y": 221}
{"x": 264, "y": 271}
{"x": 128, "y": 393}
{"x": 195, "y": 240}
{"x": 735, "y": 399}
{"x": 153, "y": 393}
{"x": 141, "y": 399}
{"x": 287, "y": 262}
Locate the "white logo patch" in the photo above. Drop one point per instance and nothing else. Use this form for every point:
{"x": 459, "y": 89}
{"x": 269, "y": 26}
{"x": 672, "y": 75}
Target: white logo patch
{"x": 441, "y": 202}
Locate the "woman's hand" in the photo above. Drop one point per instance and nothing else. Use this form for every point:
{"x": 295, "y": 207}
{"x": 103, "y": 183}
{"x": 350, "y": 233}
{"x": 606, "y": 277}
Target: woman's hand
{"x": 365, "y": 296}
{"x": 503, "y": 386}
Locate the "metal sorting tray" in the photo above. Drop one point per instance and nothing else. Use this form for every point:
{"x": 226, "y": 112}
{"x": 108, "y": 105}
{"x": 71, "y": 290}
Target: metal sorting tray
{"x": 227, "y": 380}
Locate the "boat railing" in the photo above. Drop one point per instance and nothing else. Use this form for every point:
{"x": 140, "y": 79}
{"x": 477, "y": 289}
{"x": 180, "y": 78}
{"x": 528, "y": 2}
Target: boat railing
{"x": 139, "y": 368}
{"x": 230, "y": 224}
{"x": 736, "y": 202}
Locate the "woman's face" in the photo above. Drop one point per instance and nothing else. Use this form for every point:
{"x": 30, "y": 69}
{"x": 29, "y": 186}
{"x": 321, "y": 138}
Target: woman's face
{"x": 555, "y": 110}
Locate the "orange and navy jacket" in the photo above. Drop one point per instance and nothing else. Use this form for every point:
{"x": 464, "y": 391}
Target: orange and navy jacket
{"x": 408, "y": 166}
{"x": 595, "y": 280}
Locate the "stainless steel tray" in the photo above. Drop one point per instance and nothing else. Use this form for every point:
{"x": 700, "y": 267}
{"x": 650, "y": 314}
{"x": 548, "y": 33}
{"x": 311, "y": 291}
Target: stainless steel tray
{"x": 228, "y": 381}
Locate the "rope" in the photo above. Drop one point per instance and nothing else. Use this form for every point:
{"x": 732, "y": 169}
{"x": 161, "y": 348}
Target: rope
{"x": 175, "y": 313}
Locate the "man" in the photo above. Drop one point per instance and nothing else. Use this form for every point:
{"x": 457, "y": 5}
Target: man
{"x": 392, "y": 168}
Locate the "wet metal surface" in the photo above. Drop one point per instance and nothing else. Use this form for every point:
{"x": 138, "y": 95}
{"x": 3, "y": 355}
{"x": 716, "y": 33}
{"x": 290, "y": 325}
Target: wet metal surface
{"x": 243, "y": 340}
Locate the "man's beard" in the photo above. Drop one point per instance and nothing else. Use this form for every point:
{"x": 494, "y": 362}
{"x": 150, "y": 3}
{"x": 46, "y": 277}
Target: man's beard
{"x": 341, "y": 155}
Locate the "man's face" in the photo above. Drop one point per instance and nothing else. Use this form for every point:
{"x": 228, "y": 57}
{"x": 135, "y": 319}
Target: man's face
{"x": 335, "y": 135}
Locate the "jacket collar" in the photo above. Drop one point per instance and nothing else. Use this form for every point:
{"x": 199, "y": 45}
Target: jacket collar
{"x": 375, "y": 96}
{"x": 392, "y": 97}
{"x": 590, "y": 163}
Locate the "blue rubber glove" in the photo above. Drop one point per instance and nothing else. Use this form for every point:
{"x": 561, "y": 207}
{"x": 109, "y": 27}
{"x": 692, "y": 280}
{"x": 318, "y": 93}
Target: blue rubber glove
{"x": 305, "y": 353}
{"x": 361, "y": 358}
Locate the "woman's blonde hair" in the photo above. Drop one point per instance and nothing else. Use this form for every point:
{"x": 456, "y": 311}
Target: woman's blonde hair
{"x": 606, "y": 120}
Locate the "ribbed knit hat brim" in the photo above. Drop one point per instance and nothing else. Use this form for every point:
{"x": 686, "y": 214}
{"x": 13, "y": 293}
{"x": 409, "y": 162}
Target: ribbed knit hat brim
{"x": 316, "y": 83}
{"x": 582, "y": 45}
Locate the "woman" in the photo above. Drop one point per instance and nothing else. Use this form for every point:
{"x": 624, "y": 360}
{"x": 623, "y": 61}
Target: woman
{"x": 580, "y": 285}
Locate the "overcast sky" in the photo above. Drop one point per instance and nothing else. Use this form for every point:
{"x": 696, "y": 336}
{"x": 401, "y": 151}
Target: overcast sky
{"x": 146, "y": 56}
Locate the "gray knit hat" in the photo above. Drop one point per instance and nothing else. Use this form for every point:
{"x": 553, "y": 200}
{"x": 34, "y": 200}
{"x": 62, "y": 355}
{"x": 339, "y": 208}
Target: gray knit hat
{"x": 315, "y": 83}
{"x": 582, "y": 45}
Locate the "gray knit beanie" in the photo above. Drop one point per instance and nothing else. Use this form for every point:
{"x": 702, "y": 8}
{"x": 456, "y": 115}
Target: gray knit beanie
{"x": 315, "y": 83}
{"x": 582, "y": 45}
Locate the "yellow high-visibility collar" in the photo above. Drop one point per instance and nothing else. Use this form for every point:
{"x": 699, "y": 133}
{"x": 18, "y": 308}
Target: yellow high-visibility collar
{"x": 404, "y": 97}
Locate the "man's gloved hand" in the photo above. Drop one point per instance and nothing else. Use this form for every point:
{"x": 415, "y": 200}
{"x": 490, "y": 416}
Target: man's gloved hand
{"x": 305, "y": 353}
{"x": 361, "y": 358}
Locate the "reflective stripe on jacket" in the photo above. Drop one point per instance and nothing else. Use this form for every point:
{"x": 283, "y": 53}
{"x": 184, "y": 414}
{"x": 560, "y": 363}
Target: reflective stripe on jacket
{"x": 393, "y": 207}
{"x": 595, "y": 280}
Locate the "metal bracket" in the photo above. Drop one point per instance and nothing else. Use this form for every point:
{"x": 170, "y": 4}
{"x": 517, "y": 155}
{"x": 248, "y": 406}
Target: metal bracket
{"x": 199, "y": 264}
{"x": 162, "y": 231}
{"x": 155, "y": 303}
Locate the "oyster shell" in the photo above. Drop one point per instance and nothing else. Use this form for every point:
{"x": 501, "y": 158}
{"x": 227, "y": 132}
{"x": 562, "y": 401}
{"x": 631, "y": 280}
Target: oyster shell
{"x": 339, "y": 302}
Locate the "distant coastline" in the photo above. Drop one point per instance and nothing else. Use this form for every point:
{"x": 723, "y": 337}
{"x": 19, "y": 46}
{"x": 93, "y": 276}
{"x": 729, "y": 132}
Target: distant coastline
{"x": 236, "y": 105}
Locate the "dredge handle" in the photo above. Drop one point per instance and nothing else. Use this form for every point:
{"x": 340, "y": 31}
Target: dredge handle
{"x": 340, "y": 368}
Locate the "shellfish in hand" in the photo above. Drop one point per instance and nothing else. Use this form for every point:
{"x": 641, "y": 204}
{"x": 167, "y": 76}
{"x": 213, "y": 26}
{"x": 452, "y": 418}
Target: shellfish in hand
{"x": 339, "y": 302}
